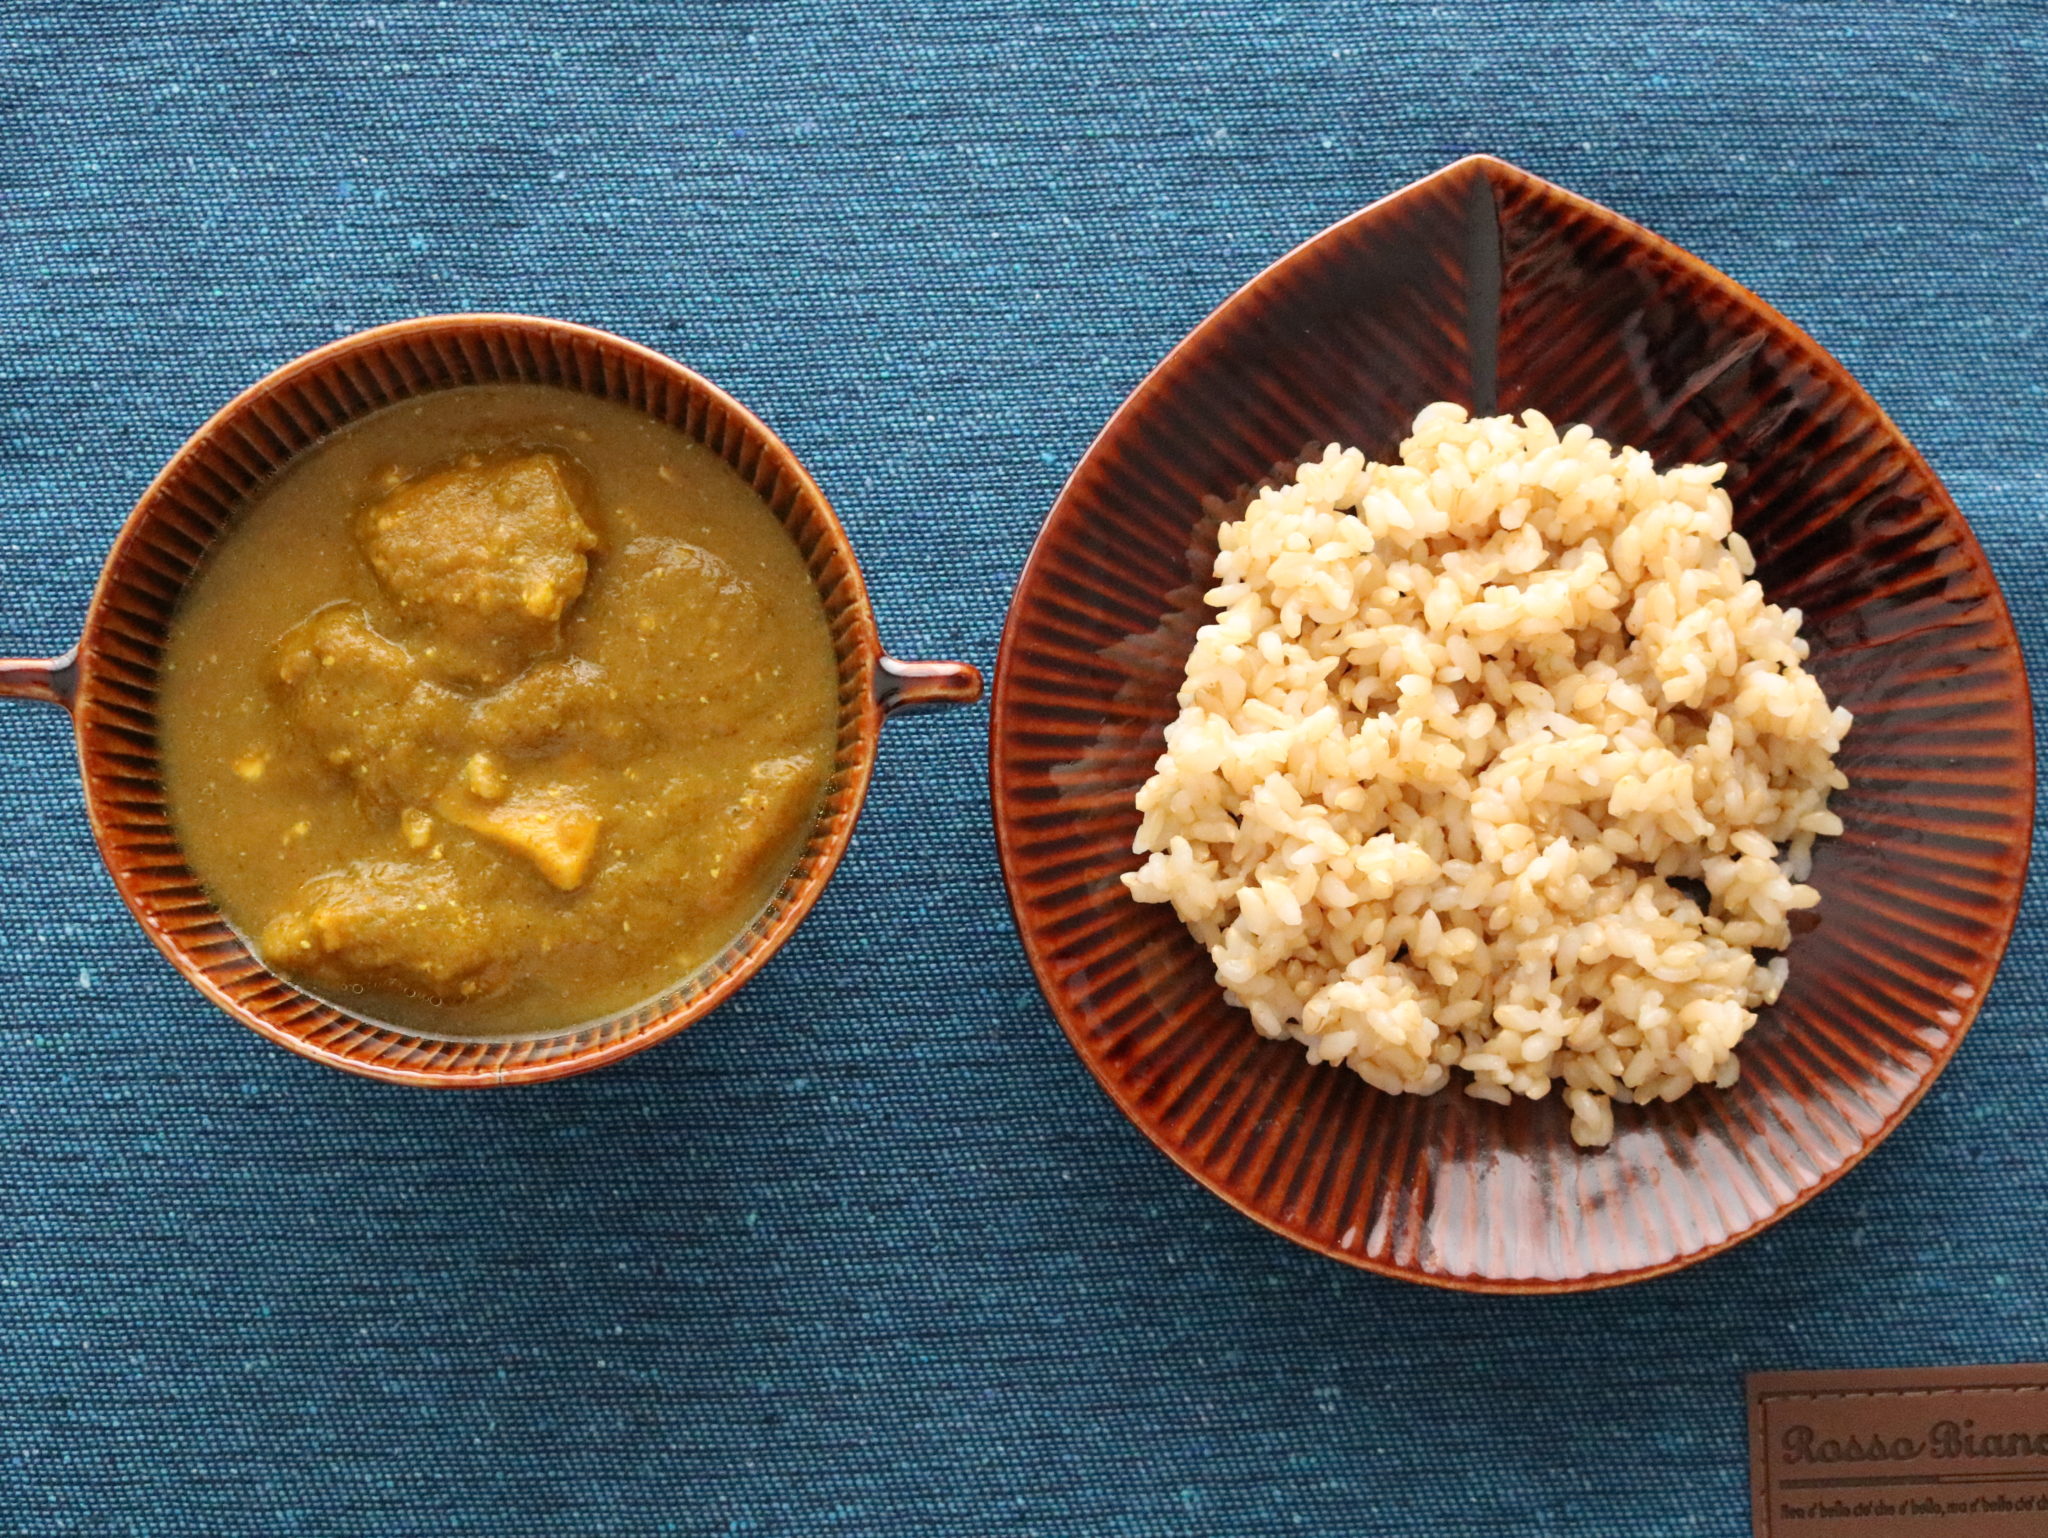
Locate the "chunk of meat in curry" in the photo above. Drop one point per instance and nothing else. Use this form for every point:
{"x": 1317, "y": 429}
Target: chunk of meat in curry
{"x": 486, "y": 557}
{"x": 393, "y": 925}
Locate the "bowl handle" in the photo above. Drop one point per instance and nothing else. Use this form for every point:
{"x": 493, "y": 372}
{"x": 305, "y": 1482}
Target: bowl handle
{"x": 901, "y": 686}
{"x": 40, "y": 678}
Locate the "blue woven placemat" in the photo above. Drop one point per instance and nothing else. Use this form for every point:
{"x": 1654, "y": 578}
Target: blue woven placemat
{"x": 869, "y": 1252}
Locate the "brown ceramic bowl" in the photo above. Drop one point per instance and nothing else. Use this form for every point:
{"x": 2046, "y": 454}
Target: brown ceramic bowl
{"x": 108, "y": 680}
{"x": 1487, "y": 286}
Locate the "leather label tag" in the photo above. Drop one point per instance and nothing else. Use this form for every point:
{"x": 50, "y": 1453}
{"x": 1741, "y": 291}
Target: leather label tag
{"x": 1936, "y": 1452}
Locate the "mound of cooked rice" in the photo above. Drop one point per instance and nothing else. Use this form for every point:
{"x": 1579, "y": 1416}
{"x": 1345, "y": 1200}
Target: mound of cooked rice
{"x": 1495, "y": 759}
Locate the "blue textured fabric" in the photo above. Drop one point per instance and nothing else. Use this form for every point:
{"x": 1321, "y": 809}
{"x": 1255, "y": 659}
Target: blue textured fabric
{"x": 868, "y": 1251}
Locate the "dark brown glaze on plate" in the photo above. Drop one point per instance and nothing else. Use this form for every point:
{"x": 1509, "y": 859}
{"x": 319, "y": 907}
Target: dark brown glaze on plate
{"x": 109, "y": 680}
{"x": 1488, "y": 286}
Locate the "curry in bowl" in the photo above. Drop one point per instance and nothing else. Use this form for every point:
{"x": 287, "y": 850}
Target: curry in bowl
{"x": 500, "y": 711}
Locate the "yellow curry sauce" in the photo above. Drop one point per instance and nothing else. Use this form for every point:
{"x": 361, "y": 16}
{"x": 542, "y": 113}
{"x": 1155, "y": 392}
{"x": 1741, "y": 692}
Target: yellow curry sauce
{"x": 500, "y": 711}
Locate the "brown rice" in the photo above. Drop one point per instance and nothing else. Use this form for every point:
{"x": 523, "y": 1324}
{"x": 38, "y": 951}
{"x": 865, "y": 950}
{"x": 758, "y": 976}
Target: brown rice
{"x": 1495, "y": 759}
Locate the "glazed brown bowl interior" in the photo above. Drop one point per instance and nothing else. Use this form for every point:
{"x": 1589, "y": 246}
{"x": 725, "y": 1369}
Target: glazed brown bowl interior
{"x": 1489, "y": 287}
{"x": 110, "y": 682}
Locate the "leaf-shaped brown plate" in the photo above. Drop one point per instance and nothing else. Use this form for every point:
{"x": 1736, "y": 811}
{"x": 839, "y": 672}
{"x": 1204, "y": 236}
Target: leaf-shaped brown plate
{"x": 1488, "y": 286}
